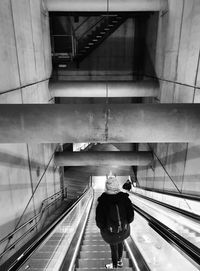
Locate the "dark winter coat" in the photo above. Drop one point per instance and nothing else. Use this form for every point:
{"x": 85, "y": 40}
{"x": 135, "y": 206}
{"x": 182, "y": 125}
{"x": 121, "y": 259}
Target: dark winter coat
{"x": 126, "y": 212}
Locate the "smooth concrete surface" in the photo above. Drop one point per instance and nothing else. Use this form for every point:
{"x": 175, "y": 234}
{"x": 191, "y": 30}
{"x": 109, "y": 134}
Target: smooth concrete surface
{"x": 25, "y": 58}
{"x": 103, "y": 158}
{"x": 104, "y": 5}
{"x": 99, "y": 123}
{"x": 177, "y": 68}
{"x": 9, "y": 73}
{"x": 25, "y": 66}
{"x": 104, "y": 89}
{"x": 25, "y": 44}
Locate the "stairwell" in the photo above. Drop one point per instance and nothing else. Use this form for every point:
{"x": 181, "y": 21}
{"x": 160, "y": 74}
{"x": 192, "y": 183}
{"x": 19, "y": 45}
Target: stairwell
{"x": 96, "y": 34}
{"x": 94, "y": 253}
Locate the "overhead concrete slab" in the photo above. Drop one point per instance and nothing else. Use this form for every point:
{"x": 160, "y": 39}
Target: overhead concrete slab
{"x": 104, "y": 5}
{"x": 103, "y": 158}
{"x": 146, "y": 88}
{"x": 96, "y": 123}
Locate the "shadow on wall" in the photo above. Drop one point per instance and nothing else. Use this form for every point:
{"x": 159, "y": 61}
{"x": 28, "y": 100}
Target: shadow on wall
{"x": 11, "y": 160}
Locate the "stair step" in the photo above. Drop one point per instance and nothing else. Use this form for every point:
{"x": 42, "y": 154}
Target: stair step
{"x": 106, "y": 29}
{"x": 102, "y": 32}
{"x": 98, "y": 263}
{"x": 90, "y": 43}
{"x": 98, "y": 36}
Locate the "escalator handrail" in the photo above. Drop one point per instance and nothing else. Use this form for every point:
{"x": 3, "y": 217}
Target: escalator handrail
{"x": 70, "y": 258}
{"x": 169, "y": 206}
{"x": 32, "y": 248}
{"x": 171, "y": 236}
{"x": 170, "y": 193}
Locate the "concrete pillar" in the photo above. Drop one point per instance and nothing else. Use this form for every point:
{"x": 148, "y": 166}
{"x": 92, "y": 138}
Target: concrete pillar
{"x": 105, "y": 5}
{"x": 43, "y": 123}
{"x": 104, "y": 89}
{"x": 103, "y": 158}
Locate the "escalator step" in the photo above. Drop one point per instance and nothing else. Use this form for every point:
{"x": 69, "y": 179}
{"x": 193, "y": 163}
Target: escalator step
{"x": 95, "y": 248}
{"x": 88, "y": 233}
{"x": 93, "y": 236}
{"x": 85, "y": 263}
{"x": 98, "y": 254}
{"x": 103, "y": 268}
{"x": 38, "y": 263}
{"x": 93, "y": 242}
{"x": 42, "y": 255}
{"x": 47, "y": 248}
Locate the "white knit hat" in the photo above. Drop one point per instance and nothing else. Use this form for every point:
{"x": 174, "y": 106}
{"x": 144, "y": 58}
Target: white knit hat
{"x": 112, "y": 185}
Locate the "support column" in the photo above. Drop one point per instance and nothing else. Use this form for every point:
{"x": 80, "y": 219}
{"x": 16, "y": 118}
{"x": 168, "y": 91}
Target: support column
{"x": 103, "y": 158}
{"x": 104, "y": 89}
{"x": 48, "y": 123}
{"x": 104, "y": 5}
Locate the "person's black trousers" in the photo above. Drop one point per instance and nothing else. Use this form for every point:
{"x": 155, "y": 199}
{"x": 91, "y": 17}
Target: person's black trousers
{"x": 116, "y": 252}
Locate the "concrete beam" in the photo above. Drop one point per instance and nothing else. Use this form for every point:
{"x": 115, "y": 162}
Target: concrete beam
{"x": 104, "y": 5}
{"x": 103, "y": 158}
{"x": 43, "y": 123}
{"x": 104, "y": 89}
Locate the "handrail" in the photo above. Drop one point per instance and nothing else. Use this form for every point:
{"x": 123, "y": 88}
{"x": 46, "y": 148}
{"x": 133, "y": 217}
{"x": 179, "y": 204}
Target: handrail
{"x": 70, "y": 257}
{"x": 182, "y": 195}
{"x": 101, "y": 18}
{"x": 169, "y": 206}
{"x": 10, "y": 235}
{"x": 81, "y": 23}
{"x": 18, "y": 262}
{"x": 171, "y": 236}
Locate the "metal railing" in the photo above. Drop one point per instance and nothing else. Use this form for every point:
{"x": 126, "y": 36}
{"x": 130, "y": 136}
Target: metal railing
{"x": 45, "y": 205}
{"x": 59, "y": 225}
{"x": 70, "y": 46}
{"x": 91, "y": 27}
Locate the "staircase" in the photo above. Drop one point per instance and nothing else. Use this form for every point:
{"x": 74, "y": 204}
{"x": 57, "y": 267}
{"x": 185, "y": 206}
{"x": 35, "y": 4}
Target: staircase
{"x": 97, "y": 34}
{"x": 94, "y": 253}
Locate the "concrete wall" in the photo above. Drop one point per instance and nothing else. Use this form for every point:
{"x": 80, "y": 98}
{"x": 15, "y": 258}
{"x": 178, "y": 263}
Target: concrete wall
{"x": 176, "y": 65}
{"x": 27, "y": 172}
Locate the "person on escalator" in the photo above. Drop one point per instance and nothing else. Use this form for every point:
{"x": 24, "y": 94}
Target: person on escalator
{"x": 127, "y": 185}
{"x": 114, "y": 213}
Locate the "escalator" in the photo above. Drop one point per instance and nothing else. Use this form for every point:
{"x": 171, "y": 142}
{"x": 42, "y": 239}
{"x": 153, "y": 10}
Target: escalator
{"x": 94, "y": 253}
{"x": 74, "y": 243}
